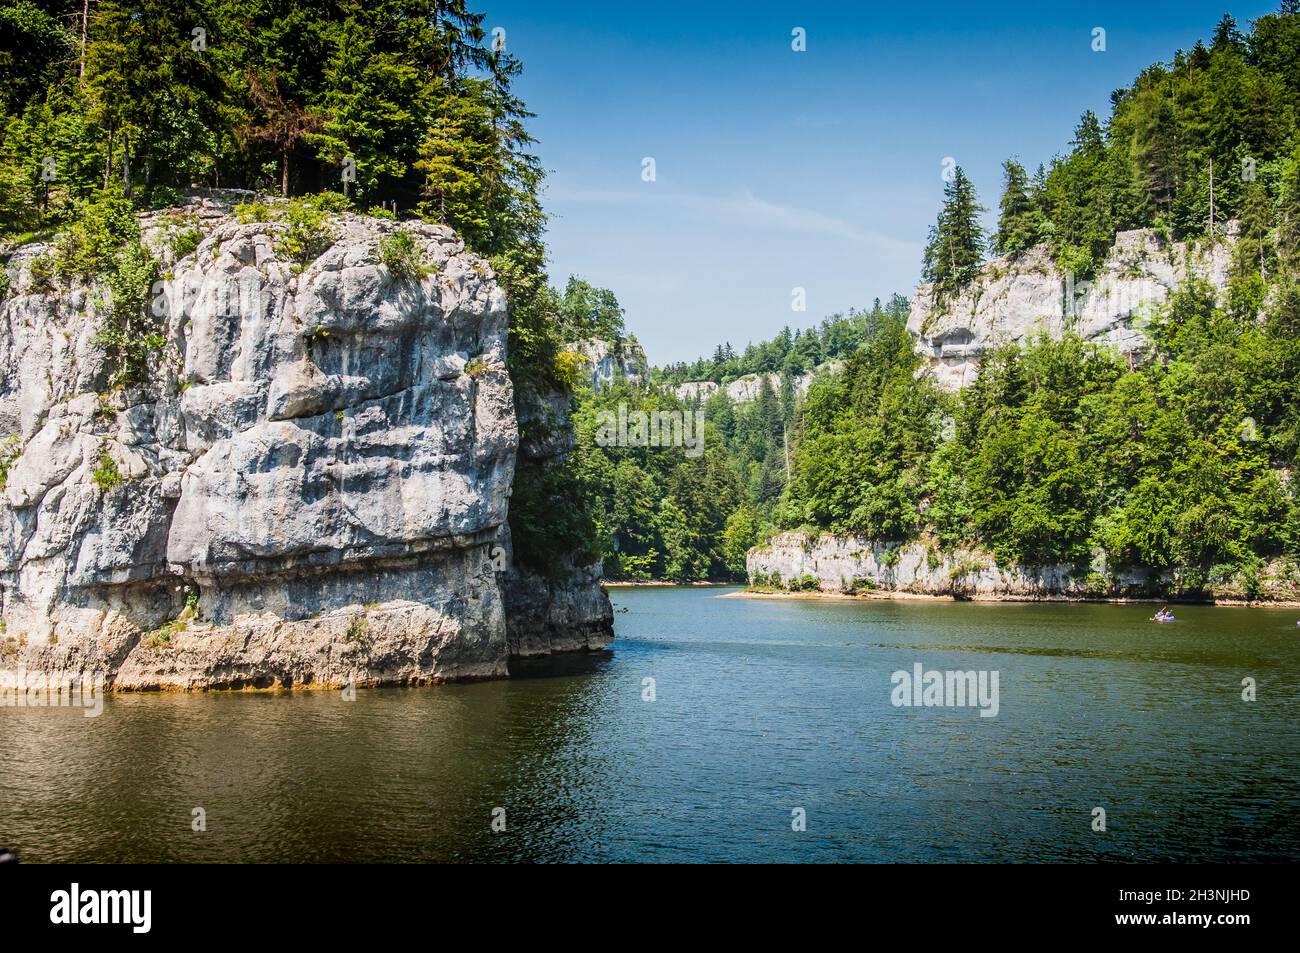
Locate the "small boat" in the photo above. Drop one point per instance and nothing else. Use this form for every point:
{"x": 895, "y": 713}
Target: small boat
{"x": 1169, "y": 617}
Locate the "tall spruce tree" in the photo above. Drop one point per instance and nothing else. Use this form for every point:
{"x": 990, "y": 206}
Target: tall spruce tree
{"x": 1017, "y": 219}
{"x": 956, "y": 247}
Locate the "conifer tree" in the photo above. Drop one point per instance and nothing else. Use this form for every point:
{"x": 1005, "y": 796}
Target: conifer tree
{"x": 1018, "y": 219}
{"x": 956, "y": 246}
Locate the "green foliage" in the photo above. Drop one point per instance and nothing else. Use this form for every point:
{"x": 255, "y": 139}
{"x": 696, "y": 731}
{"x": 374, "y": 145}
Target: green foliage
{"x": 1018, "y": 219}
{"x": 790, "y": 352}
{"x": 585, "y": 311}
{"x": 739, "y": 534}
{"x": 163, "y": 196}
{"x": 1058, "y": 450}
{"x": 401, "y": 256}
{"x": 308, "y": 231}
{"x": 41, "y": 272}
{"x": 864, "y": 443}
{"x": 106, "y": 475}
{"x": 11, "y": 448}
{"x": 183, "y": 240}
{"x": 657, "y": 512}
{"x": 253, "y": 213}
{"x": 127, "y": 329}
{"x": 99, "y": 231}
{"x": 551, "y": 524}
{"x": 358, "y": 631}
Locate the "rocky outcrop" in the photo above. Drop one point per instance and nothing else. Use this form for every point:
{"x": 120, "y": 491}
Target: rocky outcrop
{"x": 696, "y": 390}
{"x": 310, "y": 488}
{"x": 846, "y": 564}
{"x": 561, "y": 607}
{"x": 748, "y": 388}
{"x": 607, "y": 363}
{"x": 1016, "y": 301}
{"x": 808, "y": 562}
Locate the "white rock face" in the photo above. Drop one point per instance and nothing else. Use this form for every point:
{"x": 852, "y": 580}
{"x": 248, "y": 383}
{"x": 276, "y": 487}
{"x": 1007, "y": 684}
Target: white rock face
{"x": 322, "y": 456}
{"x": 1016, "y": 302}
{"x": 604, "y": 365}
{"x": 692, "y": 390}
{"x": 747, "y": 388}
{"x": 848, "y": 564}
{"x": 826, "y": 563}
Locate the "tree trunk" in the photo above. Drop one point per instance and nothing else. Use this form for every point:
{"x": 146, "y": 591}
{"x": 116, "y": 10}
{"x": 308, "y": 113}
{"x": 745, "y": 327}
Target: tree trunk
{"x": 126, "y": 165}
{"x": 85, "y": 15}
{"x": 108, "y": 158}
{"x": 284, "y": 173}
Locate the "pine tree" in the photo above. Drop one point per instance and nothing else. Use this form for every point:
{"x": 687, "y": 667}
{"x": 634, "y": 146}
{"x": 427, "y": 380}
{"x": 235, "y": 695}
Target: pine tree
{"x": 1018, "y": 219}
{"x": 956, "y": 247}
{"x": 1253, "y": 251}
{"x": 1288, "y": 218}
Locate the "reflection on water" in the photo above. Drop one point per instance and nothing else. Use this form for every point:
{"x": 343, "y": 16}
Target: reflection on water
{"x": 760, "y": 706}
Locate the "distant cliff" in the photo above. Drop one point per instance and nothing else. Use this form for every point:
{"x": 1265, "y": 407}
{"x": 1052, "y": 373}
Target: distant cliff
{"x": 1014, "y": 301}
{"x": 306, "y": 485}
{"x": 745, "y": 389}
{"x": 606, "y": 362}
{"x": 850, "y": 565}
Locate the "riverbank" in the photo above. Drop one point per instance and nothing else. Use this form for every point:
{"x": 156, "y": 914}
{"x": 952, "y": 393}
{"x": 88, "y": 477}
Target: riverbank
{"x": 893, "y": 596}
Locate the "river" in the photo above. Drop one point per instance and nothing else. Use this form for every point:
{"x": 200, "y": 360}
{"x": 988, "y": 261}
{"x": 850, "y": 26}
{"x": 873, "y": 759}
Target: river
{"x": 762, "y": 716}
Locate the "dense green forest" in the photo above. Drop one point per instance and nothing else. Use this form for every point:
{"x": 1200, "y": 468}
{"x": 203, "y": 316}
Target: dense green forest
{"x": 789, "y": 353}
{"x": 1193, "y": 144}
{"x": 665, "y": 515}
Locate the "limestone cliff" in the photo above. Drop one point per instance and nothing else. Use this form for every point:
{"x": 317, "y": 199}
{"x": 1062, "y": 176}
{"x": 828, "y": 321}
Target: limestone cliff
{"x": 310, "y": 486}
{"x": 606, "y": 363}
{"x": 1013, "y": 301}
{"x": 848, "y": 565}
{"x": 748, "y": 388}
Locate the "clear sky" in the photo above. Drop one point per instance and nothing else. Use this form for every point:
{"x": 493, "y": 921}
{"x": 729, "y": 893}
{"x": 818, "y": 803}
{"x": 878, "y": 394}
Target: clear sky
{"x": 774, "y": 169}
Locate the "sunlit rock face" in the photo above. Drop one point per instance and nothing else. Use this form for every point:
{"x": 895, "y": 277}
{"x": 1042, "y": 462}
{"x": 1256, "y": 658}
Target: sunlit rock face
{"x": 1015, "y": 301}
{"x": 309, "y": 488}
{"x": 605, "y": 363}
{"x": 749, "y": 387}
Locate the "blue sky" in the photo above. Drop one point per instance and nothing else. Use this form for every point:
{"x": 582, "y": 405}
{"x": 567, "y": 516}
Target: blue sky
{"x": 775, "y": 169}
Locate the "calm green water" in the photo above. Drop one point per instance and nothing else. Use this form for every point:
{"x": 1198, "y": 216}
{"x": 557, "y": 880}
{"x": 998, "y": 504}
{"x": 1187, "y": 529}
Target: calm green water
{"x": 761, "y": 706}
